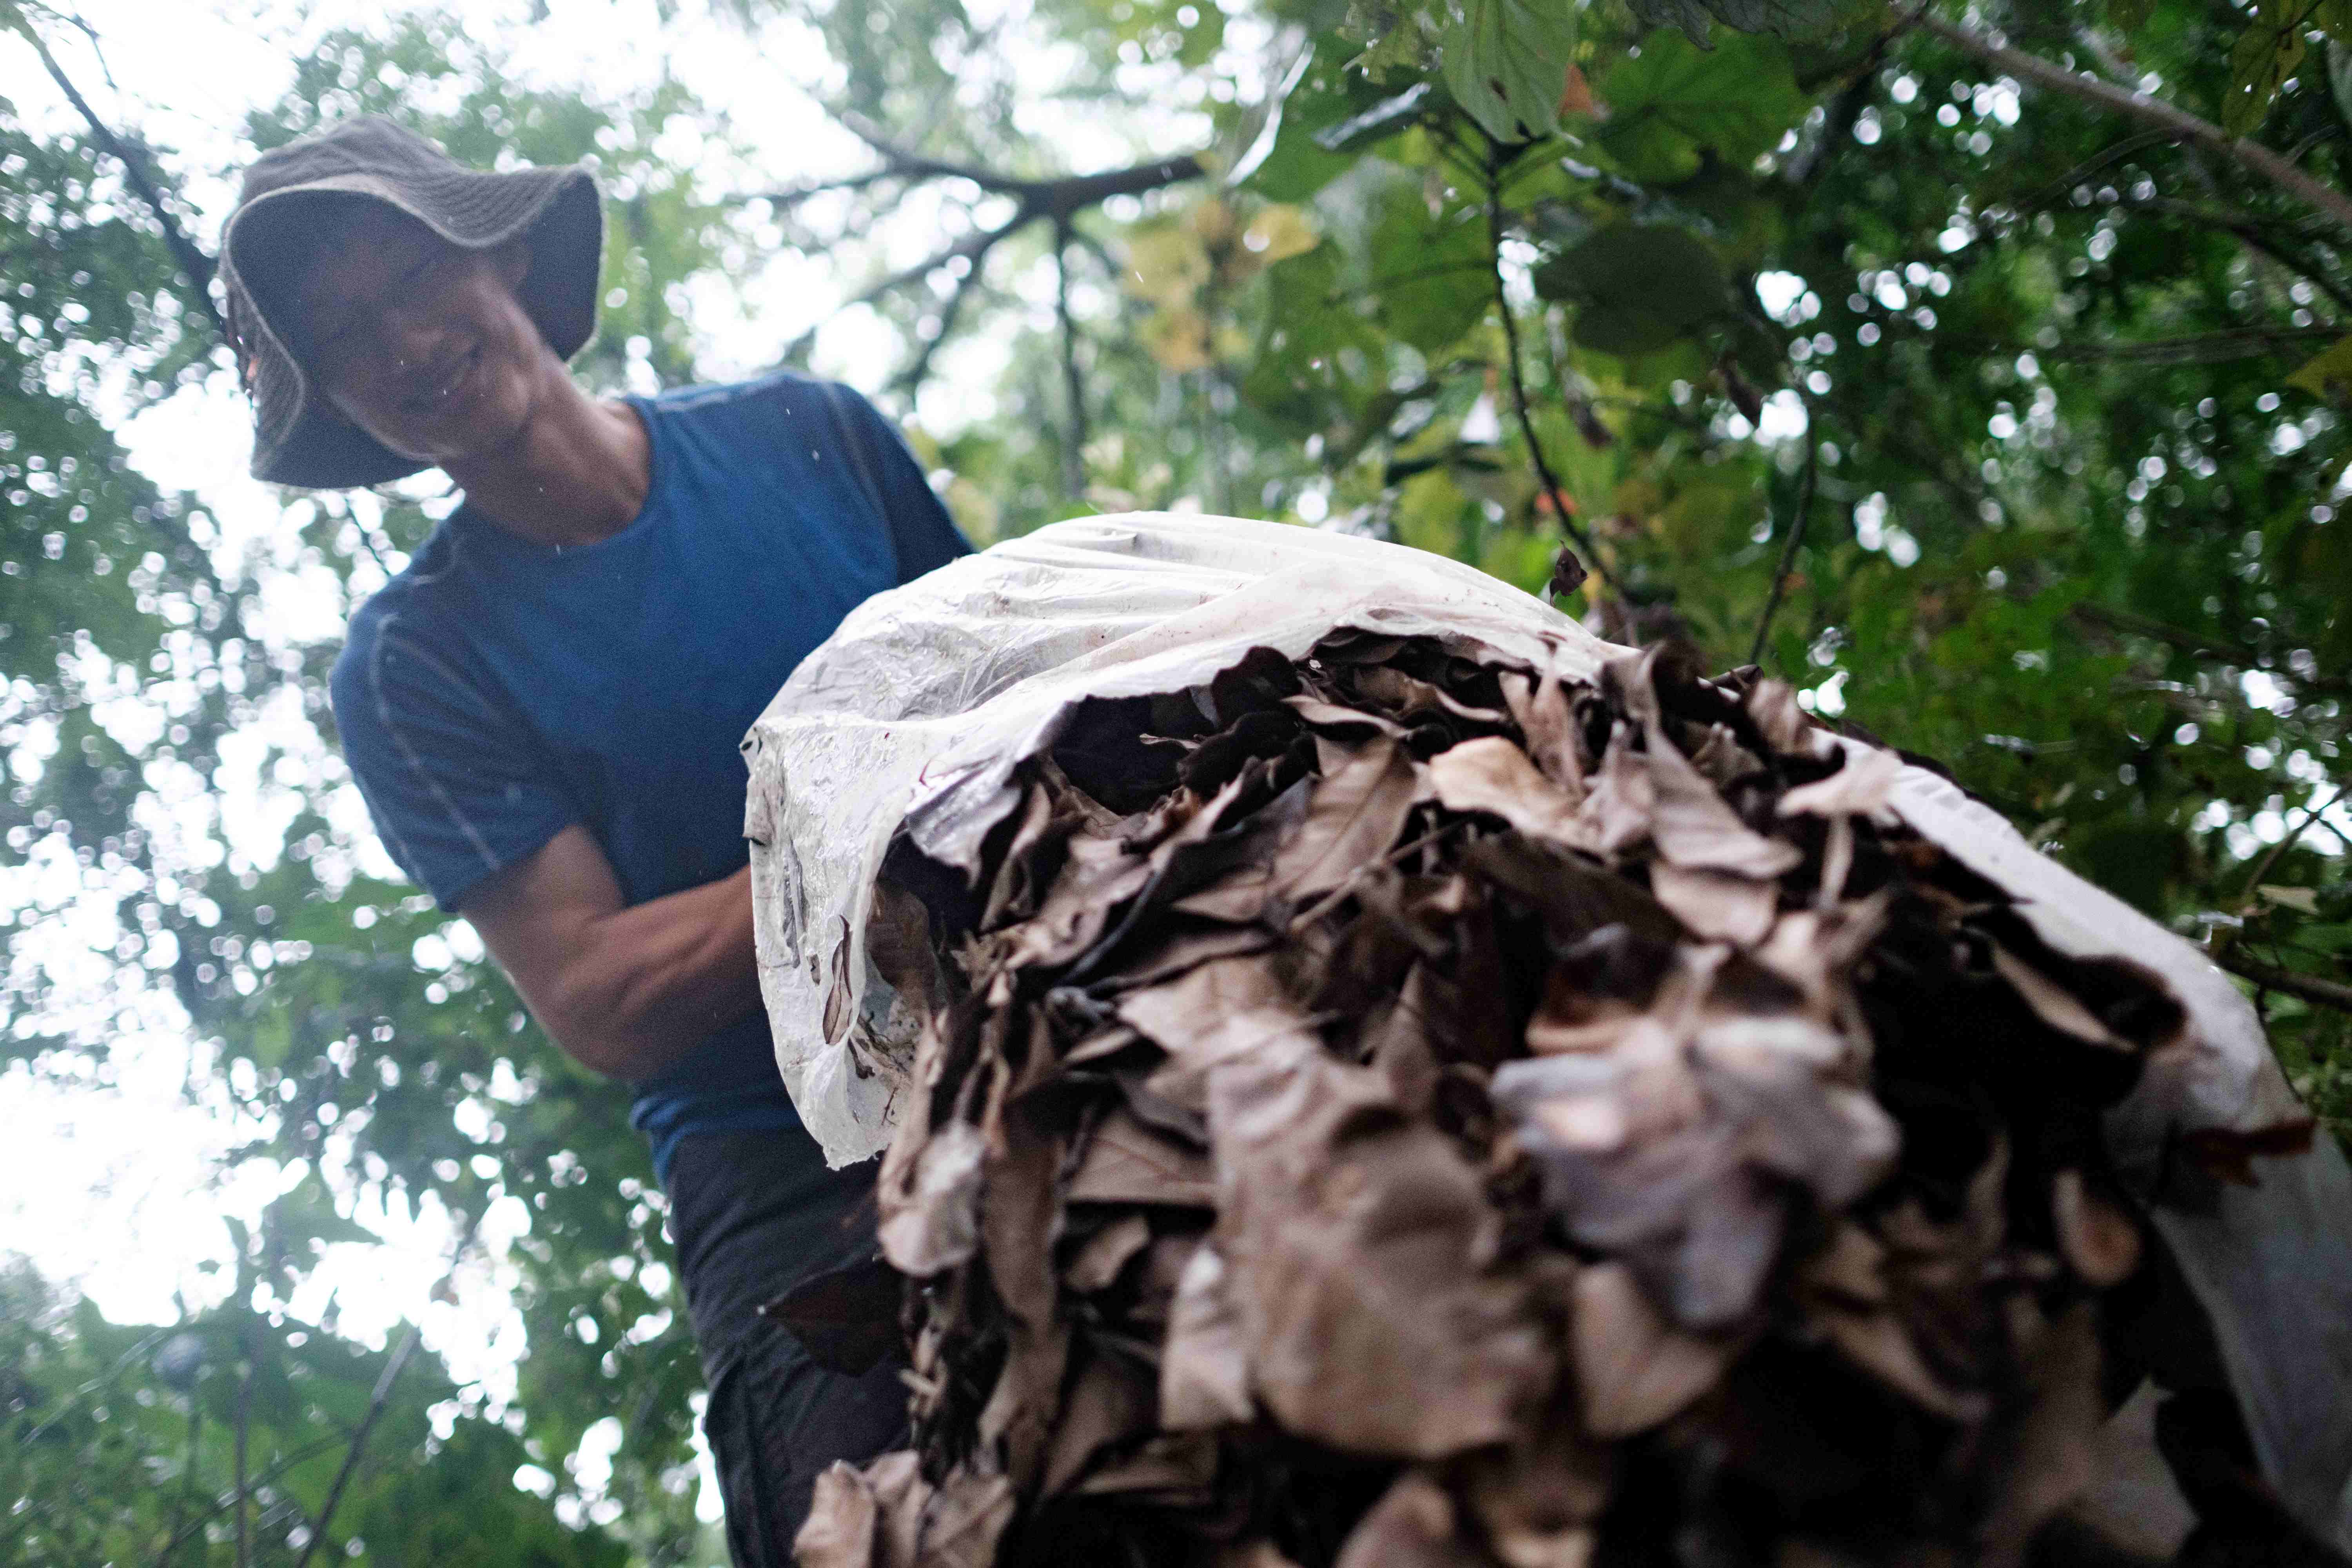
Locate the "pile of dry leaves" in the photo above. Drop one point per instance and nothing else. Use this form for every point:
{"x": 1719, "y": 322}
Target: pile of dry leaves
{"x": 1393, "y": 1110}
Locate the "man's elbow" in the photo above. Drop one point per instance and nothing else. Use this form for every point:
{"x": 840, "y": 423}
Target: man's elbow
{"x": 600, "y": 1049}
{"x": 606, "y": 1026}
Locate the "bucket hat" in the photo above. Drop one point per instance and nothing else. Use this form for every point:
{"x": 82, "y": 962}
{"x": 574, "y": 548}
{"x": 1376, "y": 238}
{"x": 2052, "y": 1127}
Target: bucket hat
{"x": 299, "y": 439}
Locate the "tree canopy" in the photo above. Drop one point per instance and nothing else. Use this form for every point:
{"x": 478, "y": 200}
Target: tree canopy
{"x": 1983, "y": 369}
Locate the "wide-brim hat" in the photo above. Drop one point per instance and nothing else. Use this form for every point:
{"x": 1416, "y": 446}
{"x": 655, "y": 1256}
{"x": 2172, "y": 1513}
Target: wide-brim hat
{"x": 297, "y": 438}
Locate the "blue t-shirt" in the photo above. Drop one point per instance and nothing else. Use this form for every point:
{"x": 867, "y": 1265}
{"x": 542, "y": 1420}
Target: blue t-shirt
{"x": 498, "y": 690}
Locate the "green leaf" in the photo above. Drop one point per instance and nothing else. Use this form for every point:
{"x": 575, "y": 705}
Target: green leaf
{"x": 2267, "y": 53}
{"x": 1788, "y": 19}
{"x": 1636, "y": 288}
{"x": 1673, "y": 100}
{"x": 2328, "y": 375}
{"x": 1506, "y": 62}
{"x": 2339, "y": 75}
{"x": 1434, "y": 277}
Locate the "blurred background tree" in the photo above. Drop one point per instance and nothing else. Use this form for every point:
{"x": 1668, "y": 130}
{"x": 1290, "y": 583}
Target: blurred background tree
{"x": 1899, "y": 349}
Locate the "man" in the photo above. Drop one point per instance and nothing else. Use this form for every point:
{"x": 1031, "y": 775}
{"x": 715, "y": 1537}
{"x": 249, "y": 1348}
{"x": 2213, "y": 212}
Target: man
{"x": 543, "y": 709}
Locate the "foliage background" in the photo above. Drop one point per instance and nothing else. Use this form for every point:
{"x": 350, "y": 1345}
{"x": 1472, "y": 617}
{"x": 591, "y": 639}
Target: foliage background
{"x": 2023, "y": 417}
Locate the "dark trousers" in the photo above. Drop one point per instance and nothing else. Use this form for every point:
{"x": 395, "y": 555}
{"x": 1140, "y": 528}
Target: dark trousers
{"x": 755, "y": 1214}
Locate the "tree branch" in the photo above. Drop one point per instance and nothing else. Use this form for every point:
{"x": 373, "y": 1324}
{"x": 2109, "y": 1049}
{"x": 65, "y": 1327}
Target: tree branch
{"x": 794, "y": 195}
{"x": 2312, "y": 812}
{"x": 910, "y": 380}
{"x": 1060, "y": 195}
{"x": 377, "y": 1401}
{"x": 2248, "y": 154}
{"x": 2308, "y": 987}
{"x": 2206, "y": 348}
{"x": 1074, "y": 387}
{"x": 244, "y": 1425}
{"x": 193, "y": 263}
{"x": 2198, "y": 647}
{"x": 1796, "y": 537}
{"x": 1060, "y": 198}
{"x": 187, "y": 1483}
{"x": 1562, "y": 508}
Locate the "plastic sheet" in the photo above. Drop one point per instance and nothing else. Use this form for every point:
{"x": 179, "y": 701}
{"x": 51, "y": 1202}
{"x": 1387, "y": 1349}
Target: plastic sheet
{"x": 913, "y": 717}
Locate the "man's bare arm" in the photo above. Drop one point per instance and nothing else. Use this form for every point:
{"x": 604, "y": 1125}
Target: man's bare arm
{"x": 623, "y": 990}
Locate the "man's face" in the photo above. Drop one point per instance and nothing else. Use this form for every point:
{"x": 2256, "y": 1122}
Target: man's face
{"x": 418, "y": 343}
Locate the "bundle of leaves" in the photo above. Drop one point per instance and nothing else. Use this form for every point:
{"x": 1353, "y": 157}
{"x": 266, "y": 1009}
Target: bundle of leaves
{"x": 1395, "y": 1109}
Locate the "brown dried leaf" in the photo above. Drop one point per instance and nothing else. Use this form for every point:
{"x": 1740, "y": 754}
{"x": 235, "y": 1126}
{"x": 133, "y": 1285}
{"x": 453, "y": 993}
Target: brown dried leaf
{"x": 1623, "y": 800}
{"x": 1175, "y": 1469}
{"x": 1860, "y": 788}
{"x": 1492, "y": 775}
{"x": 900, "y": 1498}
{"x": 1128, "y": 1163}
{"x": 1716, "y": 905}
{"x": 1574, "y": 896}
{"x": 935, "y": 1225}
{"x": 1352, "y": 819}
{"x": 1013, "y": 891}
{"x": 2100, "y": 1241}
{"x": 1722, "y": 758}
{"x": 839, "y": 1530}
{"x": 1540, "y": 709}
{"x": 2050, "y": 1453}
{"x": 1359, "y": 1246}
{"x": 2226, "y": 1154}
{"x": 1691, "y": 827}
{"x": 1112, "y": 1403}
{"x": 1878, "y": 1342}
{"x": 1413, "y": 1526}
{"x": 1182, "y": 950}
{"x": 1409, "y": 696}
{"x": 1633, "y": 1370}
{"x": 1322, "y": 715}
{"x": 1782, "y": 722}
{"x": 1204, "y": 1369}
{"x": 1225, "y": 1007}
{"x": 2054, "y": 1004}
{"x": 963, "y": 1521}
{"x": 1106, "y": 1255}
{"x": 1253, "y": 1554}
{"x": 1536, "y": 1502}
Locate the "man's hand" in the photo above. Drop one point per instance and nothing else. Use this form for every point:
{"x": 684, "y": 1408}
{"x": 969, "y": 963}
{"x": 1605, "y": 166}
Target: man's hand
{"x": 623, "y": 990}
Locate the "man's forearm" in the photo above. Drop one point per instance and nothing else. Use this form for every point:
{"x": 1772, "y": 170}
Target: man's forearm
{"x": 641, "y": 986}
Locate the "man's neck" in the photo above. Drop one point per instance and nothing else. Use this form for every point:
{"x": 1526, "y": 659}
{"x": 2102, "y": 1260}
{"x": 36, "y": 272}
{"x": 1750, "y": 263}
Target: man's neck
{"x": 578, "y": 471}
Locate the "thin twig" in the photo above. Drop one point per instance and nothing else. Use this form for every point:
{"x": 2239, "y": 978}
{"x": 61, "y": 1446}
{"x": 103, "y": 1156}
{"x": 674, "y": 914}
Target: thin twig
{"x": 2309, "y": 987}
{"x": 2311, "y": 814}
{"x": 195, "y": 1526}
{"x": 794, "y": 195}
{"x": 194, "y": 262}
{"x": 2205, "y": 348}
{"x": 244, "y": 1425}
{"x": 1560, "y": 505}
{"x": 1796, "y": 537}
{"x": 187, "y": 1484}
{"x": 377, "y": 1401}
{"x": 910, "y": 380}
{"x": 2248, "y": 154}
{"x": 1074, "y": 388}
{"x": 2057, "y": 189}
{"x": 1061, "y": 199}
{"x": 2199, "y": 646}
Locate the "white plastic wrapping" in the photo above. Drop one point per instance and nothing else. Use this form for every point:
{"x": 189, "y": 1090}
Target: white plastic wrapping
{"x": 915, "y": 712}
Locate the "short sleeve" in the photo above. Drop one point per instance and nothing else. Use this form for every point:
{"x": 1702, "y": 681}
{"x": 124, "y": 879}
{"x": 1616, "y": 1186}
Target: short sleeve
{"x": 449, "y": 770}
{"x": 922, "y": 535}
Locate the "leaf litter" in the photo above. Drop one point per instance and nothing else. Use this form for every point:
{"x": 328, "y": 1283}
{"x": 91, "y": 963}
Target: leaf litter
{"x": 1399, "y": 1109}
